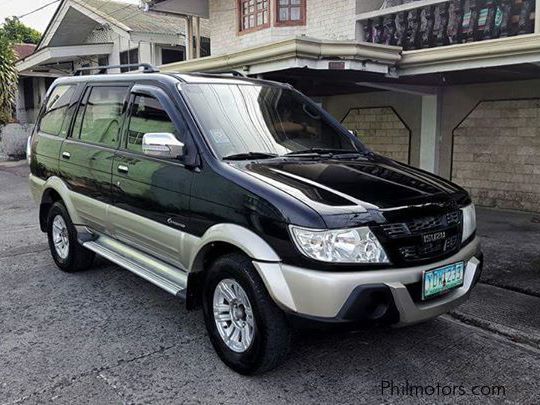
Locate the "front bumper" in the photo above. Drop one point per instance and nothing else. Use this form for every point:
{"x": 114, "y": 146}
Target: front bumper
{"x": 387, "y": 294}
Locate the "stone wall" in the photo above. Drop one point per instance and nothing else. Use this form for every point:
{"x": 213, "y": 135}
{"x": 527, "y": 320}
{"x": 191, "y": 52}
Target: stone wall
{"x": 13, "y": 139}
{"x": 326, "y": 19}
{"x": 496, "y": 154}
{"x": 382, "y": 130}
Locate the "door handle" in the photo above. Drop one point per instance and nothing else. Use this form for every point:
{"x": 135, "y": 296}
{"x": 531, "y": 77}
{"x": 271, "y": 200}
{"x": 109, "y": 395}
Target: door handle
{"x": 123, "y": 169}
{"x": 66, "y": 155}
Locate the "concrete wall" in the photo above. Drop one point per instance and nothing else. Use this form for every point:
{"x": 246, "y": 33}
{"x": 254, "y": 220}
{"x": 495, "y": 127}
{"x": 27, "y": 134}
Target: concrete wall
{"x": 459, "y": 101}
{"x": 382, "y": 130}
{"x": 363, "y": 6}
{"x": 407, "y": 107}
{"x": 497, "y": 154}
{"x": 326, "y": 19}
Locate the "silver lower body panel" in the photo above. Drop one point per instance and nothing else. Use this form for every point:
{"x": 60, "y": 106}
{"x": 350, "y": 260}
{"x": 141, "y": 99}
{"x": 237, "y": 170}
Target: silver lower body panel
{"x": 321, "y": 294}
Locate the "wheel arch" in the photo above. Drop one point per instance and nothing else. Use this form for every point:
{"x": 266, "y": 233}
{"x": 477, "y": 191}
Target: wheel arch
{"x": 217, "y": 241}
{"x": 55, "y": 190}
{"x": 49, "y": 197}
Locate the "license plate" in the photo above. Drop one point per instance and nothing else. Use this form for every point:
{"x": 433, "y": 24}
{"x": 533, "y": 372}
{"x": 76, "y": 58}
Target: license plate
{"x": 440, "y": 280}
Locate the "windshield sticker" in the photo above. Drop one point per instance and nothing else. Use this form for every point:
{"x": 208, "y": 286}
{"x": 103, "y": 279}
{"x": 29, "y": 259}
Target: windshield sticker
{"x": 219, "y": 136}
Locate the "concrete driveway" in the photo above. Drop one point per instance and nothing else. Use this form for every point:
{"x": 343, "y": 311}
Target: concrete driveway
{"x": 106, "y": 336}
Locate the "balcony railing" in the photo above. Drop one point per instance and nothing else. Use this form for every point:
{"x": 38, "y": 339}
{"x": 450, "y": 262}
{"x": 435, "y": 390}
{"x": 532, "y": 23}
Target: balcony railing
{"x": 432, "y": 23}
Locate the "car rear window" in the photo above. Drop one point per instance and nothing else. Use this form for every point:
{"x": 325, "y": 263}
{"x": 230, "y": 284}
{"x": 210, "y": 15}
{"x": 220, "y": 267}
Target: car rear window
{"x": 54, "y": 114}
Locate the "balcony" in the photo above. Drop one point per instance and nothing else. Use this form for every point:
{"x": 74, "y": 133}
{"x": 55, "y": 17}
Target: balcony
{"x": 425, "y": 24}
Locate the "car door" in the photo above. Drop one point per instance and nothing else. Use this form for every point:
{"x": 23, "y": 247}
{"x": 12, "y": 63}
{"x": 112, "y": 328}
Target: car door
{"x": 52, "y": 128}
{"x": 151, "y": 195}
{"x": 86, "y": 156}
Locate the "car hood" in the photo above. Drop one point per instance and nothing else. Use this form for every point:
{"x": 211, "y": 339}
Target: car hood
{"x": 367, "y": 185}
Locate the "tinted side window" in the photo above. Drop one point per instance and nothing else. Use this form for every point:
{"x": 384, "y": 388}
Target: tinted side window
{"x": 147, "y": 115}
{"x": 55, "y": 110}
{"x": 100, "y": 115}
{"x": 80, "y": 114}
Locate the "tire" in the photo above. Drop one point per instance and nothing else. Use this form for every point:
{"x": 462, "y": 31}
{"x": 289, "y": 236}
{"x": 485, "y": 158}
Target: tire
{"x": 69, "y": 256}
{"x": 269, "y": 344}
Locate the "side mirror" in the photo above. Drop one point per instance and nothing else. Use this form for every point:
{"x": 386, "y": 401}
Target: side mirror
{"x": 162, "y": 145}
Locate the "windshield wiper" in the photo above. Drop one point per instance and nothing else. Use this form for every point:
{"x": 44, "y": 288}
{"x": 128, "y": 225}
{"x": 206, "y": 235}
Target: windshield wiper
{"x": 251, "y": 155}
{"x": 315, "y": 152}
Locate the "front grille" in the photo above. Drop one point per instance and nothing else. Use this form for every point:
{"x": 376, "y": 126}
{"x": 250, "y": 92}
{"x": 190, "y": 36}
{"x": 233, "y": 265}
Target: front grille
{"x": 425, "y": 224}
{"x": 396, "y": 230}
{"x": 406, "y": 241}
{"x": 426, "y": 250}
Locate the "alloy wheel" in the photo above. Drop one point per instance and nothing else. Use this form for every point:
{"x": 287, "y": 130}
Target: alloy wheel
{"x": 60, "y": 237}
{"x": 233, "y": 315}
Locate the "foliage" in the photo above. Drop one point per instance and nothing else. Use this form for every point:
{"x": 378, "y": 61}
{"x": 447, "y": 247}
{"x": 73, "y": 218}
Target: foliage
{"x": 8, "y": 80}
{"x": 16, "y": 32}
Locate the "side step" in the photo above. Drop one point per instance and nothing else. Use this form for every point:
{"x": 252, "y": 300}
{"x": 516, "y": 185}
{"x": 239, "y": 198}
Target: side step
{"x": 165, "y": 276}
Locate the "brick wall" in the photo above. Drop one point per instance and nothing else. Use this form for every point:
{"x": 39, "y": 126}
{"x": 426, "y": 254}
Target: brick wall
{"x": 382, "y": 130}
{"x": 497, "y": 154}
{"x": 326, "y": 19}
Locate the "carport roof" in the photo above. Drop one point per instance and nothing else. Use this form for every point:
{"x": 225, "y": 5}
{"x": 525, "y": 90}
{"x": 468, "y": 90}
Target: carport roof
{"x": 298, "y": 52}
{"x": 321, "y": 67}
{"x": 59, "y": 54}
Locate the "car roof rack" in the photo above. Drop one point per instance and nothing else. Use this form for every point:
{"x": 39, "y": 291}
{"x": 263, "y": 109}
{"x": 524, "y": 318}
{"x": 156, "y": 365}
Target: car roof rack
{"x": 147, "y": 68}
{"x": 234, "y": 73}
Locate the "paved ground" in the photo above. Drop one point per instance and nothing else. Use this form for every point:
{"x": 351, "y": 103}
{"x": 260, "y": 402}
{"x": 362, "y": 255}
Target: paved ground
{"x": 105, "y": 336}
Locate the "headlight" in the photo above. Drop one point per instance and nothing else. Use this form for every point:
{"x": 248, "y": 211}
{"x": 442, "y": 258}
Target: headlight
{"x": 469, "y": 222}
{"x": 355, "y": 245}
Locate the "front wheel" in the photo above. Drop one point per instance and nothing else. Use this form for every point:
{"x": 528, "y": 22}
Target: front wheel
{"x": 248, "y": 331}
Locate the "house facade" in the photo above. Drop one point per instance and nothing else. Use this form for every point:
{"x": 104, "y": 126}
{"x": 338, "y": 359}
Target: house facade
{"x": 450, "y": 86}
{"x": 93, "y": 33}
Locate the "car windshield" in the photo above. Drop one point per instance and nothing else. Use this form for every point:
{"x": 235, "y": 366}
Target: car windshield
{"x": 248, "y": 121}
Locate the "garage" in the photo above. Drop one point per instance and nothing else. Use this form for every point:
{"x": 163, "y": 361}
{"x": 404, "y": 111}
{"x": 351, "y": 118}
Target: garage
{"x": 496, "y": 154}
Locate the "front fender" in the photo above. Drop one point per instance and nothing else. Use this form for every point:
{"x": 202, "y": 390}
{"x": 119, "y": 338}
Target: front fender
{"x": 242, "y": 238}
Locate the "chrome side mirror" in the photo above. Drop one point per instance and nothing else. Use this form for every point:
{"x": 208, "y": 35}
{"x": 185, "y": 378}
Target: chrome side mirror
{"x": 162, "y": 145}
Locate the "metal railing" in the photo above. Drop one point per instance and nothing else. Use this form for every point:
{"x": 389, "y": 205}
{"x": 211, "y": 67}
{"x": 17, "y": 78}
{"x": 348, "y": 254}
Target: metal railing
{"x": 146, "y": 68}
{"x": 433, "y": 23}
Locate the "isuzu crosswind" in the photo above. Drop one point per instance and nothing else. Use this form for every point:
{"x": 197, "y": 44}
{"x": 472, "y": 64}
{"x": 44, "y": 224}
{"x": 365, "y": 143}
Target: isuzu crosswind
{"x": 246, "y": 199}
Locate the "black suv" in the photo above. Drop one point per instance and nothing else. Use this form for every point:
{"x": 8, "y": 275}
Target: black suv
{"x": 245, "y": 198}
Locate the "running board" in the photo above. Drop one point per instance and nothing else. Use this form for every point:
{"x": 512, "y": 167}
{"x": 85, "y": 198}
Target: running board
{"x": 170, "y": 278}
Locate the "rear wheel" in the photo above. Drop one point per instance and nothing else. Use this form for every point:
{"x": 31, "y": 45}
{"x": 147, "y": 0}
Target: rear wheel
{"x": 248, "y": 331}
{"x": 66, "y": 251}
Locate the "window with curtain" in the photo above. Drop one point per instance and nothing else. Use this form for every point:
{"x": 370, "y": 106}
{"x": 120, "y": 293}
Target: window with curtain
{"x": 254, "y": 14}
{"x": 290, "y": 12}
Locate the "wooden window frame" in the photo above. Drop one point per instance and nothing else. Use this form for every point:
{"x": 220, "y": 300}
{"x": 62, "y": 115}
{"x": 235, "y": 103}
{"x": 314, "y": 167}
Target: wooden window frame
{"x": 290, "y": 23}
{"x": 240, "y": 18}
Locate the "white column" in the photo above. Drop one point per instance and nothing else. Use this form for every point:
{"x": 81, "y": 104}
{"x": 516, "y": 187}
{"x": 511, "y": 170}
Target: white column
{"x": 145, "y": 52}
{"x": 429, "y": 133}
{"x": 359, "y": 31}
{"x": 114, "y": 57}
{"x": 537, "y": 18}
{"x": 197, "y": 33}
{"x": 20, "y": 108}
{"x": 189, "y": 38}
